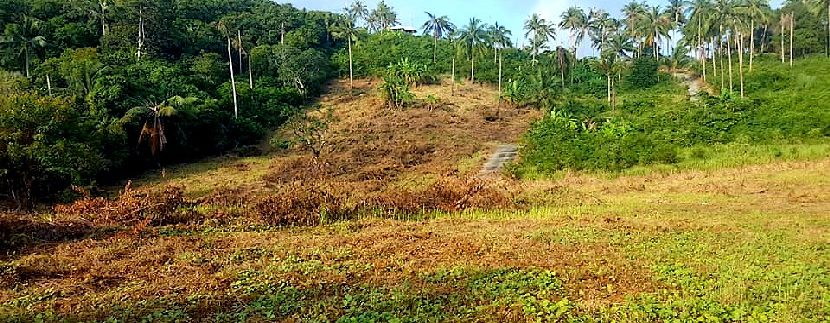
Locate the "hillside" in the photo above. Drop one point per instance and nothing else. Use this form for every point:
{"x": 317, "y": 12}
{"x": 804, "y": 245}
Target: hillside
{"x": 582, "y": 246}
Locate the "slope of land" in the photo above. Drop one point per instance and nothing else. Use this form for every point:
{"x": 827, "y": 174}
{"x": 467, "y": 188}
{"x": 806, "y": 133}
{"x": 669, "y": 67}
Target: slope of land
{"x": 742, "y": 243}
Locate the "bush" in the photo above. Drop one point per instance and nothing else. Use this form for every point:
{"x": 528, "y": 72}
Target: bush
{"x": 643, "y": 73}
{"x": 134, "y": 207}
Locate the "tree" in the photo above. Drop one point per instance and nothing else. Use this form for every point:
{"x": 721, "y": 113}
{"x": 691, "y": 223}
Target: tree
{"x": 345, "y": 29}
{"x": 599, "y": 25}
{"x": 634, "y": 14}
{"x": 499, "y": 37}
{"x": 224, "y": 29}
{"x": 25, "y": 36}
{"x": 819, "y": 7}
{"x": 438, "y": 27}
{"x": 609, "y": 66}
{"x": 755, "y": 10}
{"x": 540, "y": 33}
{"x": 357, "y": 10}
{"x": 576, "y": 21}
{"x": 383, "y": 17}
{"x": 473, "y": 35}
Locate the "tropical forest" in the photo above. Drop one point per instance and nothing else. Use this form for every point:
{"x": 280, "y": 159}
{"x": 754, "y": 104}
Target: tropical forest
{"x": 391, "y": 161}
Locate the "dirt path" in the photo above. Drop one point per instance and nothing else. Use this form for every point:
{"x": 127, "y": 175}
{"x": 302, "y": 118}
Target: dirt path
{"x": 503, "y": 155}
{"x": 693, "y": 82}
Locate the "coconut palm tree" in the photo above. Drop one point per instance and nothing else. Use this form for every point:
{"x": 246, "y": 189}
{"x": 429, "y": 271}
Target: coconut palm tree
{"x": 345, "y": 29}
{"x": 822, "y": 7}
{"x": 438, "y": 27}
{"x": 634, "y": 14}
{"x": 677, "y": 15}
{"x": 223, "y": 28}
{"x": 499, "y": 37}
{"x": 25, "y": 36}
{"x": 697, "y": 30}
{"x": 576, "y": 21}
{"x": 599, "y": 22}
{"x": 609, "y": 65}
{"x": 754, "y": 10}
{"x": 541, "y": 33}
{"x": 357, "y": 11}
{"x": 473, "y": 35}
{"x": 383, "y": 17}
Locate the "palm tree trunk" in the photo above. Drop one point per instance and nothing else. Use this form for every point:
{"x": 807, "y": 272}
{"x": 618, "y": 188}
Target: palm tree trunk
{"x": 49, "y": 84}
{"x": 764, "y": 41}
{"x": 828, "y": 29}
{"x": 704, "y": 54}
{"x": 26, "y": 58}
{"x": 729, "y": 53}
{"x": 453, "y": 76}
{"x": 608, "y": 77}
{"x": 250, "y": 74}
{"x": 473, "y": 68}
{"x": 239, "y": 39}
{"x": 792, "y": 37}
{"x": 500, "y": 74}
{"x": 233, "y": 82}
{"x": 434, "y": 48}
{"x": 351, "y": 65}
{"x": 751, "y": 44}
{"x": 714, "y": 59}
{"x": 740, "y": 44}
{"x": 783, "y": 34}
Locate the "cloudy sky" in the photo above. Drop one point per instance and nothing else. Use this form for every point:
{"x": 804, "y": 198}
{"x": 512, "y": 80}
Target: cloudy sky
{"x": 511, "y": 13}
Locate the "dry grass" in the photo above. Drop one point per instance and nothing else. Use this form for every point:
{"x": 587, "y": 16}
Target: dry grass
{"x": 243, "y": 237}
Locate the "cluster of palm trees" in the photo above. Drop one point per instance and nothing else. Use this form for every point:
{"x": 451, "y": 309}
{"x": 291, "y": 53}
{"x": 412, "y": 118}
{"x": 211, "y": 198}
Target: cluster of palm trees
{"x": 380, "y": 19}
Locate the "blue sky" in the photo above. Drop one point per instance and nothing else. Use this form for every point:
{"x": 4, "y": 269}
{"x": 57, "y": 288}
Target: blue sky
{"x": 511, "y": 13}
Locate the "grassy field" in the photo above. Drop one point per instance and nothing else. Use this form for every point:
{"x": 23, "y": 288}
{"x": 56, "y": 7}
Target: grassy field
{"x": 737, "y": 232}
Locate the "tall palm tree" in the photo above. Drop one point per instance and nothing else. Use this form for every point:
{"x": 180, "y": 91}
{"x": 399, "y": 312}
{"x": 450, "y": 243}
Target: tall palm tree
{"x": 499, "y": 37}
{"x": 357, "y": 10}
{"x": 598, "y": 23}
{"x": 634, "y": 14}
{"x": 25, "y": 36}
{"x": 384, "y": 16}
{"x": 473, "y": 36}
{"x": 345, "y": 29}
{"x": 697, "y": 30}
{"x": 676, "y": 12}
{"x": 541, "y": 33}
{"x": 576, "y": 21}
{"x": 754, "y": 10}
{"x": 438, "y": 27}
{"x": 608, "y": 65}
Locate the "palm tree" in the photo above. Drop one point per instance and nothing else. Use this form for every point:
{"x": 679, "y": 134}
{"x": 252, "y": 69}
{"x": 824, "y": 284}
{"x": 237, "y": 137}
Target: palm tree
{"x": 608, "y": 65}
{"x": 473, "y": 35}
{"x": 357, "y": 10}
{"x": 699, "y": 25}
{"x": 755, "y": 10}
{"x": 599, "y": 22}
{"x": 576, "y": 21}
{"x": 499, "y": 38}
{"x": 223, "y": 28}
{"x": 345, "y": 29}
{"x": 25, "y": 36}
{"x": 439, "y": 27}
{"x": 677, "y": 13}
{"x": 384, "y": 16}
{"x": 634, "y": 14}
{"x": 99, "y": 11}
{"x": 542, "y": 33}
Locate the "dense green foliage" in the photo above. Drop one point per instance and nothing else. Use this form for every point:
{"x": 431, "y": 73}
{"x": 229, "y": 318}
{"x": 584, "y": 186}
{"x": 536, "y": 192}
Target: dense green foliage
{"x": 96, "y": 70}
{"x": 654, "y": 126}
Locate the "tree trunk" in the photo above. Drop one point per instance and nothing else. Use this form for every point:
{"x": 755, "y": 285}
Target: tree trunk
{"x": 783, "y": 34}
{"x": 250, "y": 74}
{"x": 740, "y": 44}
{"x": 434, "y": 48}
{"x": 351, "y": 66}
{"x": 141, "y": 34}
{"x": 49, "y": 84}
{"x": 792, "y": 37}
{"x": 233, "y": 81}
{"x": 608, "y": 77}
{"x": 729, "y": 53}
{"x": 764, "y": 41}
{"x": 714, "y": 59}
{"x": 239, "y": 39}
{"x": 473, "y": 68}
{"x": 751, "y": 44}
{"x": 26, "y": 58}
{"x": 500, "y": 74}
{"x": 453, "y": 76}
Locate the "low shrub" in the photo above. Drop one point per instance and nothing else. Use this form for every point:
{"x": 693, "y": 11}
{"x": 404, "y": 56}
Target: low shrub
{"x": 134, "y": 207}
{"x": 302, "y": 205}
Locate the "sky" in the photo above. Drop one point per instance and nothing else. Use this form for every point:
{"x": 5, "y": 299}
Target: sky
{"x": 510, "y": 13}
